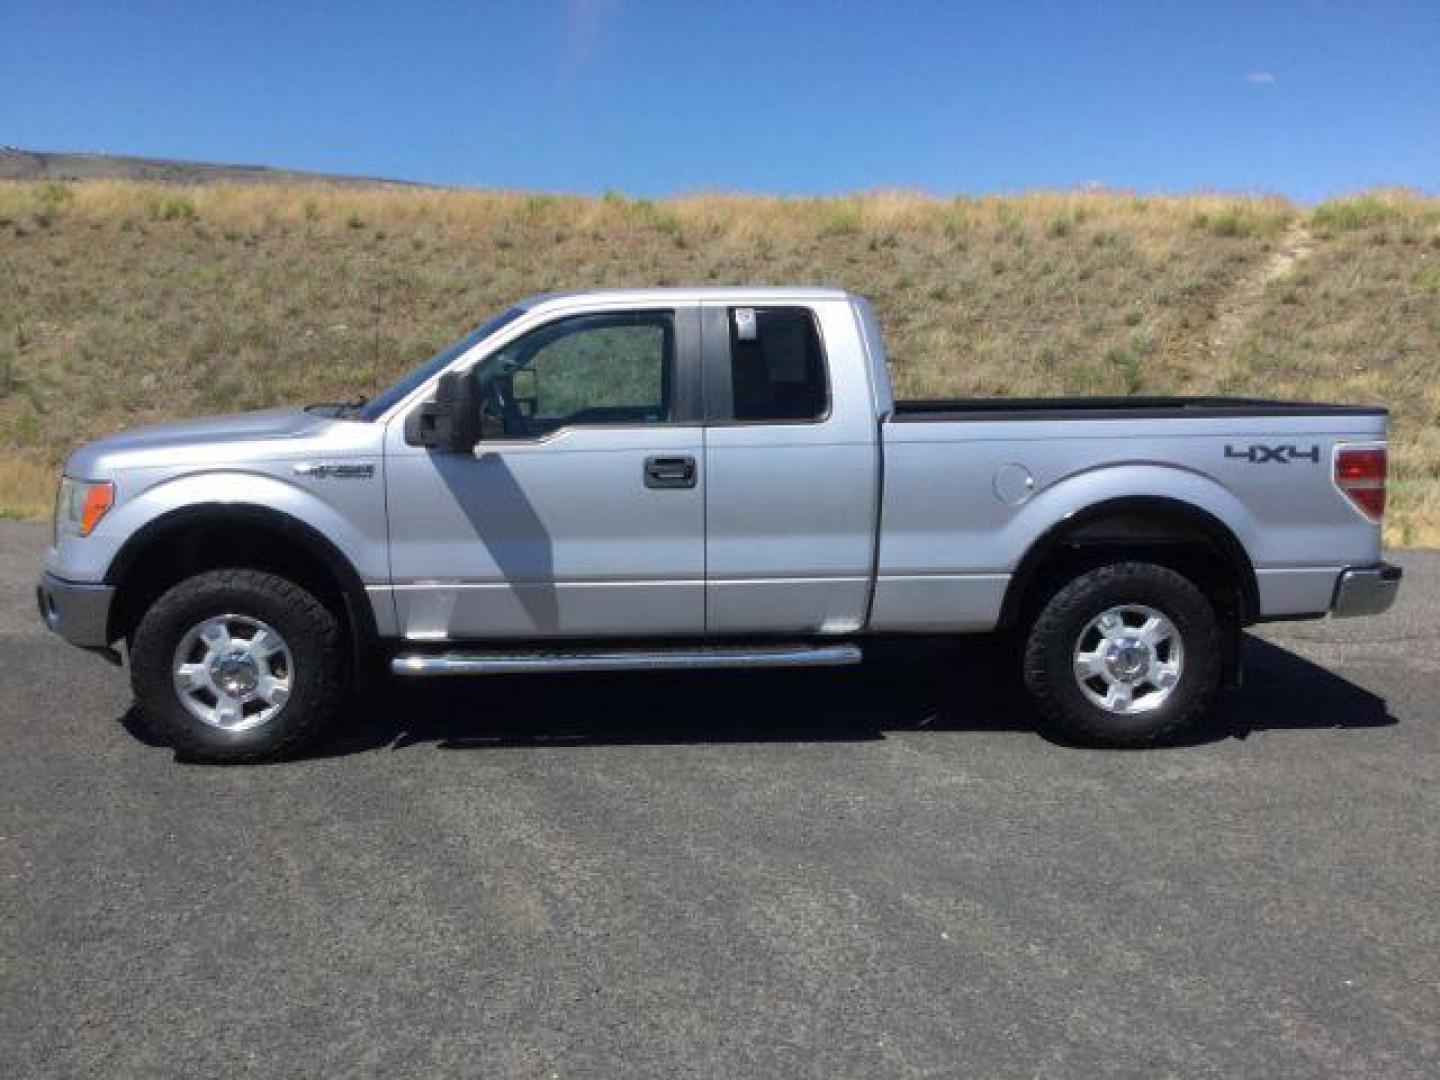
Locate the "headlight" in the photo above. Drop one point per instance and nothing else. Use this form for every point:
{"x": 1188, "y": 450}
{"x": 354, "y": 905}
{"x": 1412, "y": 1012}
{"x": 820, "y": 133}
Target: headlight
{"x": 81, "y": 504}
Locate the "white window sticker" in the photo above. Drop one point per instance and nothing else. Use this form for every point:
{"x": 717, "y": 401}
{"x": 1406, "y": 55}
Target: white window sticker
{"x": 745, "y": 323}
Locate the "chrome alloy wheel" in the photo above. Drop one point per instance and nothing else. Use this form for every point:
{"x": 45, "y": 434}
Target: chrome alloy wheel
{"x": 233, "y": 672}
{"x": 1129, "y": 659}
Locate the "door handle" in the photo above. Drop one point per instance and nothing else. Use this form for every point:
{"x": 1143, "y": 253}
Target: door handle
{"x": 670, "y": 472}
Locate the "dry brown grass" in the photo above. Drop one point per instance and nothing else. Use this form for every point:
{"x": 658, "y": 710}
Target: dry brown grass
{"x": 123, "y": 303}
{"x": 27, "y": 487}
{"x": 1359, "y": 320}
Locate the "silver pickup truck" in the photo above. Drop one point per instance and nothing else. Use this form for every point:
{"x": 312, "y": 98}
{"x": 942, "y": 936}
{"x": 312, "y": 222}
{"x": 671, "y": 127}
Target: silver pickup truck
{"x": 702, "y": 478}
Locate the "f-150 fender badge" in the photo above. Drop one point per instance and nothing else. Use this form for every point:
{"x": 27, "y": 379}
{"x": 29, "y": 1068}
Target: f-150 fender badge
{"x": 1263, "y": 454}
{"x": 335, "y": 470}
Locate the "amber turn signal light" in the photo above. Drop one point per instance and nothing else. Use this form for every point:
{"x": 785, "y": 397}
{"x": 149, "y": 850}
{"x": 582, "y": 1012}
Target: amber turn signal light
{"x": 98, "y": 500}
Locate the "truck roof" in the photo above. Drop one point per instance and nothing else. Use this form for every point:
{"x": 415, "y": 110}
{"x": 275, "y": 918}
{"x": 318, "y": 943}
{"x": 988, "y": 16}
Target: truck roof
{"x": 752, "y": 294}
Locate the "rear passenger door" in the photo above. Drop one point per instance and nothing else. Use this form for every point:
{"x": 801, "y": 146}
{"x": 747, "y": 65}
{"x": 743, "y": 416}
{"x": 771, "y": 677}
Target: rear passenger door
{"x": 791, "y": 466}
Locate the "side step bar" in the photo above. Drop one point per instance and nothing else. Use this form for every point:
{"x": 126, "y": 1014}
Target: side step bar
{"x": 697, "y": 659}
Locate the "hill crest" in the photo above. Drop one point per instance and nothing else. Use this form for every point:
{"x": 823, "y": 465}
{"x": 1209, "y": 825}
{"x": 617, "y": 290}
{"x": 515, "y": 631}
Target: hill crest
{"x": 66, "y": 166}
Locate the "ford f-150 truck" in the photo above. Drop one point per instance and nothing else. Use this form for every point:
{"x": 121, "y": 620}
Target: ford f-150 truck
{"x": 702, "y": 478}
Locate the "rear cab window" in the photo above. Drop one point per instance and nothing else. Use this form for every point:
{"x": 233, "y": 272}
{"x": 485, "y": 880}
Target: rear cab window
{"x": 777, "y": 366}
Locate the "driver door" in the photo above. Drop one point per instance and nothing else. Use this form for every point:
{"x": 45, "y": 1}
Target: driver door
{"x": 580, "y": 512}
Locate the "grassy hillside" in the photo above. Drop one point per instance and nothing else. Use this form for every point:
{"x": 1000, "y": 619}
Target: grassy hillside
{"x": 44, "y": 165}
{"x": 123, "y": 303}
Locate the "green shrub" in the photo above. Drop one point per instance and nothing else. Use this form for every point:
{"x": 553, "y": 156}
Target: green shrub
{"x": 1225, "y": 223}
{"x": 1129, "y": 367}
{"x": 177, "y": 208}
{"x": 841, "y": 219}
{"x": 55, "y": 195}
{"x": 537, "y": 205}
{"x": 1240, "y": 220}
{"x": 1348, "y": 215}
{"x": 7, "y": 371}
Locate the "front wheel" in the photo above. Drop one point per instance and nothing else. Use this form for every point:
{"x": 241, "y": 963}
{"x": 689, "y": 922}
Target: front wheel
{"x": 235, "y": 666}
{"x": 1127, "y": 654}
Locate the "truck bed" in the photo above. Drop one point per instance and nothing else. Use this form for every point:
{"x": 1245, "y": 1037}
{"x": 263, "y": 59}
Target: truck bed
{"x": 929, "y": 410}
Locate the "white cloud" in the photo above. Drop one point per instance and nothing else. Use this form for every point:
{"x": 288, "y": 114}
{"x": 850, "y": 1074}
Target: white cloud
{"x": 1260, "y": 78}
{"x": 584, "y": 25}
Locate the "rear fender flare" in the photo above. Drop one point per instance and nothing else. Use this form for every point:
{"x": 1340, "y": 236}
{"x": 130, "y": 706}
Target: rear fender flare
{"x": 1158, "y": 492}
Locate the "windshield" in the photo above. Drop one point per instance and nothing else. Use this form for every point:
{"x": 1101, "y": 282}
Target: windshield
{"x": 396, "y": 391}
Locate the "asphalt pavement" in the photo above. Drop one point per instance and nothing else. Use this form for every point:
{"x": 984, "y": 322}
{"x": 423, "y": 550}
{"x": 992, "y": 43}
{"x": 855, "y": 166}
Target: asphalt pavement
{"x": 883, "y": 871}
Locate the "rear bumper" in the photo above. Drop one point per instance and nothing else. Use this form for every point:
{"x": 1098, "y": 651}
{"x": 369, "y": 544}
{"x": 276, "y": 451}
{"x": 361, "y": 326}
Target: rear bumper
{"x": 1365, "y": 590}
{"x": 78, "y": 611}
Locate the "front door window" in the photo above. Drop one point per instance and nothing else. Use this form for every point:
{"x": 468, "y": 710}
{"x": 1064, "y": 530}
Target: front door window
{"x": 611, "y": 369}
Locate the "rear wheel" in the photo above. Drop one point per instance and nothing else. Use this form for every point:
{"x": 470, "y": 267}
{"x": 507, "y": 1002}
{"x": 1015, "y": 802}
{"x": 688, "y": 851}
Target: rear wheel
{"x": 1127, "y": 654}
{"x": 237, "y": 666}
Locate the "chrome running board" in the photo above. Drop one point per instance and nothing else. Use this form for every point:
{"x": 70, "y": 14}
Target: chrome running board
{"x": 696, "y": 659}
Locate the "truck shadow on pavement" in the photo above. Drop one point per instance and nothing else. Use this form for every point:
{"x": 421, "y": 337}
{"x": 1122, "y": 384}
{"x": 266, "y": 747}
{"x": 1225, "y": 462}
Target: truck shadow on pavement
{"x": 961, "y": 687}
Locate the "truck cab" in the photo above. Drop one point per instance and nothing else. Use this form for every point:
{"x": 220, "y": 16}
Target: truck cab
{"x": 645, "y": 467}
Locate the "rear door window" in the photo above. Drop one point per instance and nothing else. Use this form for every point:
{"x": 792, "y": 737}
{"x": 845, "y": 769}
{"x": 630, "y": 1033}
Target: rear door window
{"x": 777, "y": 366}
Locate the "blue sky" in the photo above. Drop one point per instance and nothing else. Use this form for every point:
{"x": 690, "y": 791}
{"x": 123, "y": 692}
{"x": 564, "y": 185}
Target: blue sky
{"x": 1307, "y": 98}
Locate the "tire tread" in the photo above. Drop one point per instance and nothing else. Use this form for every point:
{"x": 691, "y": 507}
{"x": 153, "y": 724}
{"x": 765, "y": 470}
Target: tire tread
{"x": 300, "y": 724}
{"x": 1082, "y": 597}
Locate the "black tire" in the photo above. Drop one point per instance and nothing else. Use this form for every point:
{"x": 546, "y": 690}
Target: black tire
{"x": 1050, "y": 661}
{"x": 309, "y": 629}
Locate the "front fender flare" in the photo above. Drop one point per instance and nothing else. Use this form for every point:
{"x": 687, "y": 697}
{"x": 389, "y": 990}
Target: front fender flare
{"x": 245, "y": 499}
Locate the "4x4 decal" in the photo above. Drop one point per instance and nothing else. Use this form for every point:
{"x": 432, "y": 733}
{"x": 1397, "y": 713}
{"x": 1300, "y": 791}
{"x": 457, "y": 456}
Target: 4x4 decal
{"x": 1260, "y": 453}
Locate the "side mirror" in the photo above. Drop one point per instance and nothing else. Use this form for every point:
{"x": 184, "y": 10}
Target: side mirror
{"x": 449, "y": 421}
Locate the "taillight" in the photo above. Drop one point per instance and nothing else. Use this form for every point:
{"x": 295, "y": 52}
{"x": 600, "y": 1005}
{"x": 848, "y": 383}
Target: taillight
{"x": 1360, "y": 474}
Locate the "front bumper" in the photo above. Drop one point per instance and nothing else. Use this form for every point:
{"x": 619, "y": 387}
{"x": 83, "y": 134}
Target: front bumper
{"x": 78, "y": 611}
{"x": 1365, "y": 590}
